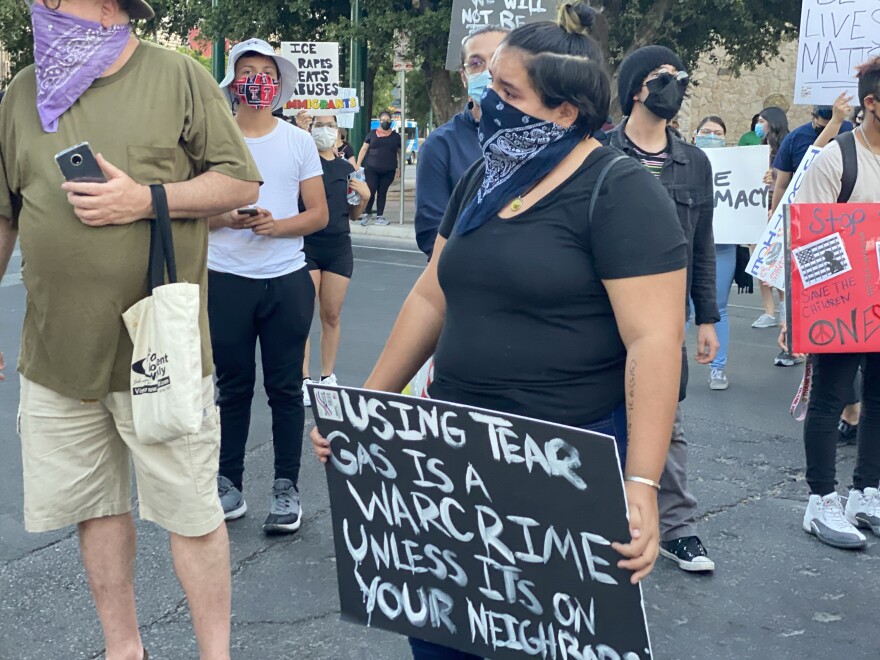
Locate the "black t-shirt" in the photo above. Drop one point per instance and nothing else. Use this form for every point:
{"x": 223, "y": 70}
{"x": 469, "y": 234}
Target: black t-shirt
{"x": 346, "y": 151}
{"x": 382, "y": 155}
{"x": 336, "y": 173}
{"x": 529, "y": 326}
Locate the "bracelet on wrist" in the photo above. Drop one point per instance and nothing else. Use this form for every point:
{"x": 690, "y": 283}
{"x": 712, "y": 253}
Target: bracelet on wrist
{"x": 642, "y": 480}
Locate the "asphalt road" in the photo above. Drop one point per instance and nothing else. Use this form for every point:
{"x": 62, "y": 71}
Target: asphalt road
{"x": 777, "y": 592}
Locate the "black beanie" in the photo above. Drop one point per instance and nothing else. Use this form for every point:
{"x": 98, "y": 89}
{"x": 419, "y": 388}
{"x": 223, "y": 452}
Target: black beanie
{"x": 635, "y": 68}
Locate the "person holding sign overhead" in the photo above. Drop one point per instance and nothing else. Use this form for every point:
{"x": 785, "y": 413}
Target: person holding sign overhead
{"x": 380, "y": 158}
{"x": 506, "y": 331}
{"x": 833, "y": 373}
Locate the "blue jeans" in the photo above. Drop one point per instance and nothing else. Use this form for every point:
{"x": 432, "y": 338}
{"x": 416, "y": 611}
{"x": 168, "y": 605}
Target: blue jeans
{"x": 613, "y": 425}
{"x": 725, "y": 267}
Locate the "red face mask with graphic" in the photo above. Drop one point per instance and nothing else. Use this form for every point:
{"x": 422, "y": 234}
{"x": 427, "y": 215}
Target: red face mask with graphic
{"x": 257, "y": 91}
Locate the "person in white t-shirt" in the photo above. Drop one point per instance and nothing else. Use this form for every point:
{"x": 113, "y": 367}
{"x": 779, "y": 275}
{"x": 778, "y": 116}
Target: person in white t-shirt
{"x": 833, "y": 373}
{"x": 259, "y": 286}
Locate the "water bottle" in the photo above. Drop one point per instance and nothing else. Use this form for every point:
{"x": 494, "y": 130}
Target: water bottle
{"x": 353, "y": 198}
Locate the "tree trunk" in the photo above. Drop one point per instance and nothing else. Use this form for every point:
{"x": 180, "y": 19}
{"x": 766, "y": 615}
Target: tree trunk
{"x": 440, "y": 93}
{"x": 369, "y": 83}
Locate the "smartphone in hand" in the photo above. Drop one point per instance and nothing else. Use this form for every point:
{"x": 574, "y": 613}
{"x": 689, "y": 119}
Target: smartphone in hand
{"x": 78, "y": 163}
{"x": 250, "y": 212}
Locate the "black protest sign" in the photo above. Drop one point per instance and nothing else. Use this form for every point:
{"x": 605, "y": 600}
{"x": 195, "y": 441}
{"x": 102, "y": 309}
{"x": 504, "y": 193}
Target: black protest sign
{"x": 484, "y": 532}
{"x": 470, "y": 15}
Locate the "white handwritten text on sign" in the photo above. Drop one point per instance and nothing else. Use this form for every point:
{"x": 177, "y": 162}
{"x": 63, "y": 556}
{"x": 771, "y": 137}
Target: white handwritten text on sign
{"x": 484, "y": 532}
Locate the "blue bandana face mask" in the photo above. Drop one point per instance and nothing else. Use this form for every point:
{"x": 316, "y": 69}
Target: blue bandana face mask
{"x": 477, "y": 84}
{"x": 519, "y": 150}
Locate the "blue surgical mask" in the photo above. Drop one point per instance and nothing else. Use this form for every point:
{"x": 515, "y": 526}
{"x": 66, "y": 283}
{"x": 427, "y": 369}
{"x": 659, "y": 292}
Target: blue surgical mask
{"x": 709, "y": 141}
{"x": 477, "y": 84}
{"x": 759, "y": 131}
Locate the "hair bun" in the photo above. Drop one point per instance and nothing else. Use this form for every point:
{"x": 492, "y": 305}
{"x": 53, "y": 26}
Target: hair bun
{"x": 576, "y": 17}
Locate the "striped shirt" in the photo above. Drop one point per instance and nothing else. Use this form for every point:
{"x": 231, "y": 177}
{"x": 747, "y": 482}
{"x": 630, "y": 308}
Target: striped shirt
{"x": 654, "y": 162}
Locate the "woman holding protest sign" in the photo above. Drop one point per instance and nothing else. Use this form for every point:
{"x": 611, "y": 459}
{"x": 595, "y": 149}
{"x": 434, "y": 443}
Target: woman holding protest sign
{"x": 507, "y": 332}
{"x": 712, "y": 133}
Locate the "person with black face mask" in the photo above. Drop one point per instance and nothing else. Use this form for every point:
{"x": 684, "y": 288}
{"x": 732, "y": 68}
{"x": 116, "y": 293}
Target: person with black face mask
{"x": 380, "y": 158}
{"x": 651, "y": 88}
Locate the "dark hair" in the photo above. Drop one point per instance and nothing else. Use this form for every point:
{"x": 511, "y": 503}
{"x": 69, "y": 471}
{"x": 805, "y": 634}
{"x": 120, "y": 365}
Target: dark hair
{"x": 485, "y": 29}
{"x": 778, "y": 121}
{"x": 384, "y": 112}
{"x": 755, "y": 120}
{"x": 869, "y": 80}
{"x": 564, "y": 63}
{"x": 715, "y": 119}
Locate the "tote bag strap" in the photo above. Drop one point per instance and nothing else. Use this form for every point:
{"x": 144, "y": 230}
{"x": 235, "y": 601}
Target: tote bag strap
{"x": 161, "y": 242}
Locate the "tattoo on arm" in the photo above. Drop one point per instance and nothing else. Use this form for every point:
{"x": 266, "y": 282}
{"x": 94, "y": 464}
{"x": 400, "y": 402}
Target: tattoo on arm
{"x": 631, "y": 392}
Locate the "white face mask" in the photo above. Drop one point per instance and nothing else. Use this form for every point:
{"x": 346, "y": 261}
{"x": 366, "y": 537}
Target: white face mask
{"x": 324, "y": 137}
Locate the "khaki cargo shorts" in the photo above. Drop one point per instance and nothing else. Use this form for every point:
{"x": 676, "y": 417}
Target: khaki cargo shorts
{"x": 77, "y": 458}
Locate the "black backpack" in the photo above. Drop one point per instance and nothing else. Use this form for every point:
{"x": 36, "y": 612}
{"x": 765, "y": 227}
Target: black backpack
{"x": 847, "y": 143}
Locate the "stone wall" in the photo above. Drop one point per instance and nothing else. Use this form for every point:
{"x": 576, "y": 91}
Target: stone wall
{"x": 737, "y": 99}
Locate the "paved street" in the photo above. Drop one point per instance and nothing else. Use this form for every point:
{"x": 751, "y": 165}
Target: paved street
{"x": 777, "y": 592}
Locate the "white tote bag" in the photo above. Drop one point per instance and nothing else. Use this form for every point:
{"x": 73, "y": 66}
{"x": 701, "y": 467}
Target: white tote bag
{"x": 166, "y": 369}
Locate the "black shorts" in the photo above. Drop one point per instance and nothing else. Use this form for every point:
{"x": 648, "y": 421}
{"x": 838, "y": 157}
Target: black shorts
{"x": 331, "y": 256}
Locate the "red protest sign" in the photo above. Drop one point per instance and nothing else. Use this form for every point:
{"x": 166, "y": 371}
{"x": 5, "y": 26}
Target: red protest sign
{"x": 833, "y": 278}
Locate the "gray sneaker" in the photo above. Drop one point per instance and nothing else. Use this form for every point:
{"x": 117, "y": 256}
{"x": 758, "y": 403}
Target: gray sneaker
{"x": 231, "y": 499}
{"x": 718, "y": 380}
{"x": 365, "y": 220}
{"x": 786, "y": 359}
{"x": 382, "y": 221}
{"x": 825, "y": 520}
{"x": 765, "y": 321}
{"x": 285, "y": 516}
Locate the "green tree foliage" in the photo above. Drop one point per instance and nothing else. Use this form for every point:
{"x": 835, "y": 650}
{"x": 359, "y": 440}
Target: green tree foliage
{"x": 750, "y": 31}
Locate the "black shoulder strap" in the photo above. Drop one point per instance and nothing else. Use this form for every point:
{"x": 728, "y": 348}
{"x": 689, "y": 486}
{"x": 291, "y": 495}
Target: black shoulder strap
{"x": 602, "y": 175}
{"x": 161, "y": 242}
{"x": 847, "y": 143}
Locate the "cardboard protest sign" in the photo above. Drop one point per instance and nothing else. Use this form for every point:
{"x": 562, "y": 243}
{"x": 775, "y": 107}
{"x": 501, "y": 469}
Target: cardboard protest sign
{"x": 318, "y": 89}
{"x": 470, "y": 15}
{"x": 833, "y": 273}
{"x": 768, "y": 258}
{"x": 835, "y": 37}
{"x": 741, "y": 197}
{"x": 484, "y": 532}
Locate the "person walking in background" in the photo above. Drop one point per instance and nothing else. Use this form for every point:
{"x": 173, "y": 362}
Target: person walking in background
{"x": 651, "y": 85}
{"x": 260, "y": 289}
{"x": 380, "y": 158}
{"x": 328, "y": 252}
{"x": 772, "y": 127}
{"x": 452, "y": 148}
{"x": 711, "y": 133}
{"x": 152, "y": 116}
{"x": 509, "y": 331}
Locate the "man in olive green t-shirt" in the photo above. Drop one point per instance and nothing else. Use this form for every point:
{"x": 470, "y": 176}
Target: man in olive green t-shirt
{"x": 154, "y": 116}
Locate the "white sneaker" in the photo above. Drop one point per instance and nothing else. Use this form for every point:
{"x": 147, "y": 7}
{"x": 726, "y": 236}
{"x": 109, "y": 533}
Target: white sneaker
{"x": 765, "y": 321}
{"x": 718, "y": 380}
{"x": 863, "y": 509}
{"x": 825, "y": 520}
{"x": 307, "y": 401}
{"x": 329, "y": 380}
